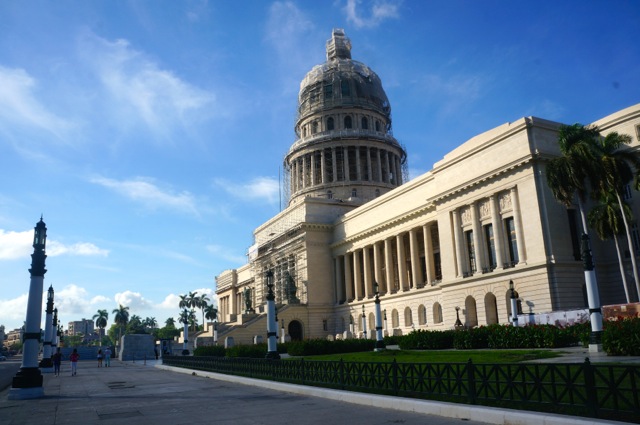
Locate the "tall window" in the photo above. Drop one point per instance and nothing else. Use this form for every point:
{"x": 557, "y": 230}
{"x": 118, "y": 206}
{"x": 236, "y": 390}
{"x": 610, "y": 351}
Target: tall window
{"x": 468, "y": 236}
{"x": 377, "y": 125}
{"x": 491, "y": 246}
{"x": 573, "y": 230}
{"x": 364, "y": 123}
{"x": 635, "y": 237}
{"x": 344, "y": 86}
{"x": 329, "y": 195}
{"x": 314, "y": 127}
{"x": 347, "y": 122}
{"x": 437, "y": 313}
{"x": 328, "y": 91}
{"x": 330, "y": 124}
{"x": 354, "y": 193}
{"x": 512, "y": 240}
{"x": 626, "y": 192}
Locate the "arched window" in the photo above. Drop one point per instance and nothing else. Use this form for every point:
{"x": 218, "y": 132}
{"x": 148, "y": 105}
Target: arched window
{"x": 395, "y": 320}
{"x": 377, "y": 125}
{"x": 347, "y": 122}
{"x": 408, "y": 317}
{"x": 422, "y": 315}
{"x": 437, "y": 313}
{"x": 314, "y": 127}
{"x": 304, "y": 131}
{"x": 364, "y": 123}
{"x": 329, "y": 194}
{"x": 344, "y": 86}
{"x": 330, "y": 125}
{"x": 354, "y": 193}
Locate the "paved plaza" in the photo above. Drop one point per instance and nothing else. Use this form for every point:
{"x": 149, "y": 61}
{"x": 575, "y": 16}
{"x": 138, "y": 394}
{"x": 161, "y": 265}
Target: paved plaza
{"x": 148, "y": 392}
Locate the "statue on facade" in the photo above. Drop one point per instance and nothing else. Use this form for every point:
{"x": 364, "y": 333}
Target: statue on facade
{"x": 290, "y": 289}
{"x": 247, "y": 300}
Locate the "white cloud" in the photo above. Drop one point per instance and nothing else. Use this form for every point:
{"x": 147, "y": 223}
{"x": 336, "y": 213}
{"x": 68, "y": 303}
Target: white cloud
{"x": 142, "y": 90}
{"x": 260, "y": 188}
{"x": 14, "y": 245}
{"x": 20, "y": 105}
{"x": 170, "y": 302}
{"x": 134, "y": 300}
{"x": 14, "y": 310}
{"x": 146, "y": 192}
{"x": 73, "y": 300}
{"x": 381, "y": 10}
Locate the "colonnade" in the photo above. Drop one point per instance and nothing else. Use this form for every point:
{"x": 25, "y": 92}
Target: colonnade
{"x": 345, "y": 164}
{"x": 401, "y": 263}
{"x": 488, "y": 234}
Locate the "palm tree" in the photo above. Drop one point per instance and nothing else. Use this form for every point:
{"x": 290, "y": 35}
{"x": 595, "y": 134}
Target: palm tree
{"x": 170, "y": 322}
{"x": 571, "y": 177}
{"x": 121, "y": 317}
{"x": 606, "y": 218}
{"x": 619, "y": 167}
{"x": 184, "y": 319}
{"x": 193, "y": 320}
{"x": 203, "y": 302}
{"x": 101, "y": 318}
{"x": 211, "y": 312}
{"x": 184, "y": 301}
{"x": 151, "y": 322}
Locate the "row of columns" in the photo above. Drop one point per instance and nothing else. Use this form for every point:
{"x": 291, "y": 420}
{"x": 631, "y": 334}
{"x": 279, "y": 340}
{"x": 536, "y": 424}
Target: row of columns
{"x": 356, "y": 271}
{"x": 480, "y": 247}
{"x": 305, "y": 173}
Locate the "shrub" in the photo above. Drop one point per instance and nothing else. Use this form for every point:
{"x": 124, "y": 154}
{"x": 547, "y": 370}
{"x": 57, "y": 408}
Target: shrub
{"x": 320, "y": 346}
{"x": 622, "y": 337}
{"x": 467, "y": 339}
{"x": 427, "y": 340}
{"x": 215, "y": 351}
{"x": 254, "y": 351}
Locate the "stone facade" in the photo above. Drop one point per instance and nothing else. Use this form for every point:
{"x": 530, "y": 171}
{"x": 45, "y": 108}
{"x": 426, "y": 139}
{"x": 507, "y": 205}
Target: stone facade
{"x": 452, "y": 237}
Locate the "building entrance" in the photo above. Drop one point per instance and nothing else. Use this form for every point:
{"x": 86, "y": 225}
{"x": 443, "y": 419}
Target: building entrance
{"x": 295, "y": 330}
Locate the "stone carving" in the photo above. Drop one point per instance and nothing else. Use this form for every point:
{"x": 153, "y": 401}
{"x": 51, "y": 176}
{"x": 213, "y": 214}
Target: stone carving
{"x": 247, "y": 300}
{"x": 485, "y": 210}
{"x": 465, "y": 215}
{"x": 505, "y": 202}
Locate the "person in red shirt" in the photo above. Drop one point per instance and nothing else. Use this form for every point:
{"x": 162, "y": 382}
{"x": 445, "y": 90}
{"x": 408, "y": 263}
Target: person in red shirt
{"x": 73, "y": 358}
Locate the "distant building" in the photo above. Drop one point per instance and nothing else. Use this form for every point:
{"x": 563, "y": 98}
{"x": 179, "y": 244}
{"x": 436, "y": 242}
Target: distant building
{"x": 13, "y": 336}
{"x": 451, "y": 238}
{"x": 84, "y": 327}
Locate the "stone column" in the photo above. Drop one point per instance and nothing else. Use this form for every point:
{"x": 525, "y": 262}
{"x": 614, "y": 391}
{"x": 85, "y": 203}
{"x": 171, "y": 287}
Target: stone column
{"x": 339, "y": 280}
{"x": 347, "y": 175}
{"x": 369, "y": 171}
{"x": 347, "y": 277}
{"x": 416, "y": 271}
{"x": 312, "y": 158}
{"x": 377, "y": 266}
{"x": 517, "y": 221}
{"x": 368, "y": 285}
{"x": 389, "y": 170}
{"x": 458, "y": 240}
{"x": 334, "y": 165}
{"x": 498, "y": 233}
{"x": 323, "y": 167}
{"x": 388, "y": 262}
{"x": 398, "y": 170}
{"x": 358, "y": 165}
{"x": 357, "y": 275}
{"x": 379, "y": 164}
{"x": 428, "y": 253}
{"x": 402, "y": 263}
{"x": 477, "y": 245}
{"x": 304, "y": 171}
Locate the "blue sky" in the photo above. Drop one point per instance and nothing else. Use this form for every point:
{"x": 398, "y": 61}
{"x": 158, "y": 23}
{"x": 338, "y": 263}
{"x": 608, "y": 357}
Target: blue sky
{"x": 149, "y": 134}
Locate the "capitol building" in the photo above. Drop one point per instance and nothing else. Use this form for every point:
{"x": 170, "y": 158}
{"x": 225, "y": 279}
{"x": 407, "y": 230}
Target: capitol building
{"x": 442, "y": 246}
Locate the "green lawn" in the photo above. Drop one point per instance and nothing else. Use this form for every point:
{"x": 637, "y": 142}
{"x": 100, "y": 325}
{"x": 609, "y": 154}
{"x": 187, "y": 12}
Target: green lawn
{"x": 442, "y": 356}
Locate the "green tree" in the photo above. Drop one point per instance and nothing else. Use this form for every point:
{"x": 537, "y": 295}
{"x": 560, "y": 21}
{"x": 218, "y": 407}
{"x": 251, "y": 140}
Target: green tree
{"x": 203, "y": 302}
{"x": 606, "y": 220}
{"x": 211, "y": 312}
{"x": 121, "y": 318}
{"x": 150, "y": 323}
{"x": 571, "y": 177}
{"x": 193, "y": 320}
{"x": 619, "y": 167}
{"x": 135, "y": 325}
{"x": 170, "y": 322}
{"x": 101, "y": 318}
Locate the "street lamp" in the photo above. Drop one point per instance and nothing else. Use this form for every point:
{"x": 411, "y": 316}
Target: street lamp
{"x": 514, "y": 304}
{"x": 458, "y": 324}
{"x": 364, "y": 323}
{"x": 272, "y": 326}
{"x": 46, "y": 364}
{"x": 386, "y": 327}
{"x": 379, "y": 339}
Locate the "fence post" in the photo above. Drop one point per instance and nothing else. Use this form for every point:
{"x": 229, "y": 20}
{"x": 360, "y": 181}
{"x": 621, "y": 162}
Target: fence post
{"x": 303, "y": 371}
{"x": 342, "y": 374}
{"x": 590, "y": 387}
{"x": 471, "y": 382}
{"x": 394, "y": 368}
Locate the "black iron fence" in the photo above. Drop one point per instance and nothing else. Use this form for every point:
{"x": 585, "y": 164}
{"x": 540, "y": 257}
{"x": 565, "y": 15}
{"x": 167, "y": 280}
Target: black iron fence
{"x": 581, "y": 389}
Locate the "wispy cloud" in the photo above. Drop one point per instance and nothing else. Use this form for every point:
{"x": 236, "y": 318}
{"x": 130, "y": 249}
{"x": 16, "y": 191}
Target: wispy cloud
{"x": 146, "y": 192}
{"x": 20, "y": 106}
{"x": 260, "y": 188}
{"x": 451, "y": 91}
{"x": 134, "y": 300}
{"x": 141, "y": 89}
{"x": 14, "y": 245}
{"x": 14, "y": 309}
{"x": 379, "y": 11}
{"x": 224, "y": 253}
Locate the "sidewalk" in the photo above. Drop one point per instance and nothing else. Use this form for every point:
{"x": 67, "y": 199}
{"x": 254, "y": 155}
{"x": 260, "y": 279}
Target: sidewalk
{"x": 137, "y": 393}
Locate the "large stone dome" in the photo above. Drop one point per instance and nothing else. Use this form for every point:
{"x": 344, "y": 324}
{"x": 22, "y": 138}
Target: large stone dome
{"x": 342, "y": 81}
{"x": 344, "y": 149}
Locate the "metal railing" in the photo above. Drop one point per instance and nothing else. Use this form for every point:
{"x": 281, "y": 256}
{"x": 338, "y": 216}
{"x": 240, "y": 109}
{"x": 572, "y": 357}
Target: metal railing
{"x": 580, "y": 389}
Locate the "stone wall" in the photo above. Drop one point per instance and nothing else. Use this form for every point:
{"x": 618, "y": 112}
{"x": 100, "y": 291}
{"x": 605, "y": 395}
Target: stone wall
{"x": 136, "y": 347}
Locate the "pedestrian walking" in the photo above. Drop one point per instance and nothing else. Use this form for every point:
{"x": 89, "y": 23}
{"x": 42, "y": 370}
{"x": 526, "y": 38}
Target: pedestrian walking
{"x": 107, "y": 357}
{"x": 99, "y": 358}
{"x": 57, "y": 359}
{"x": 73, "y": 358}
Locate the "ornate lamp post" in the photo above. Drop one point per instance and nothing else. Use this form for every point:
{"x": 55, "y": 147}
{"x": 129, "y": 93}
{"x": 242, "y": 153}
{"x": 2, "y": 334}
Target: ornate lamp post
{"x": 364, "y": 323}
{"x": 27, "y": 384}
{"x": 215, "y": 331}
{"x": 379, "y": 339}
{"x": 272, "y": 339}
{"x": 593, "y": 297}
{"x": 282, "y": 335}
{"x": 386, "y": 327}
{"x": 55, "y": 331}
{"x": 458, "y": 324}
{"x": 46, "y": 364}
{"x": 184, "y": 318}
{"x": 514, "y": 304}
